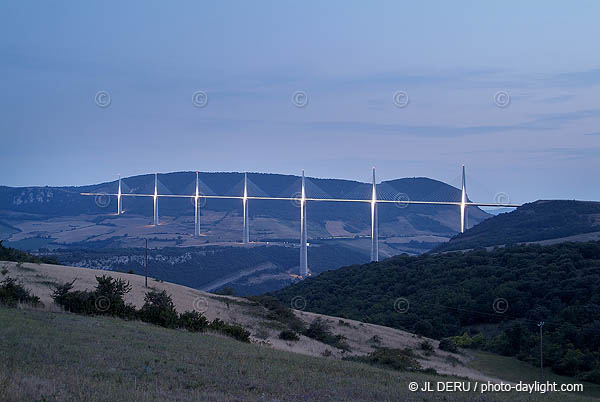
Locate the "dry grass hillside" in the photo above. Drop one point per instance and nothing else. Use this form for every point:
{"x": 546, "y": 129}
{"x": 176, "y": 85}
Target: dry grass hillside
{"x": 361, "y": 337}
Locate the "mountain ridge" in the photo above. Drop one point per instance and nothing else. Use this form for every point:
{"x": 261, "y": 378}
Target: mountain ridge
{"x": 542, "y": 220}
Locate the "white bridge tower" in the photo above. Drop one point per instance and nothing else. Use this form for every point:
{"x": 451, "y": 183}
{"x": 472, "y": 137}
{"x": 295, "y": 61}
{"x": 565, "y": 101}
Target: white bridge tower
{"x": 119, "y": 199}
{"x": 303, "y": 237}
{"x": 374, "y": 223}
{"x": 245, "y": 207}
{"x": 463, "y": 202}
{"x": 155, "y": 196}
{"x": 197, "y": 210}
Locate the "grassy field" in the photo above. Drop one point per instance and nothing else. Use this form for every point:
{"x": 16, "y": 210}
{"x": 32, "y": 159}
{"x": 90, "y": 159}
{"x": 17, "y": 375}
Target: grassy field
{"x": 514, "y": 370}
{"x": 59, "y": 356}
{"x": 39, "y": 278}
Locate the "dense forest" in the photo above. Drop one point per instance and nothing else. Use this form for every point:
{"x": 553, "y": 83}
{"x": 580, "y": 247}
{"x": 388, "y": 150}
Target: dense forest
{"x": 491, "y": 300}
{"x": 540, "y": 220}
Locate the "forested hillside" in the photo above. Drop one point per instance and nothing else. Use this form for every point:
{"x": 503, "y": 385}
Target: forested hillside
{"x": 494, "y": 297}
{"x": 540, "y": 220}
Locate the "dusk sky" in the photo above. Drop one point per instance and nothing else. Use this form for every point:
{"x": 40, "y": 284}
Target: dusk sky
{"x": 458, "y": 62}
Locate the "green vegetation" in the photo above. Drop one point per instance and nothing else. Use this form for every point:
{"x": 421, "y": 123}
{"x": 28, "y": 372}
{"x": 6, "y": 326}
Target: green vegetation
{"x": 497, "y": 297}
{"x": 12, "y": 292}
{"x": 158, "y": 308}
{"x": 233, "y": 330}
{"x": 280, "y": 312}
{"x": 59, "y": 356}
{"x": 511, "y": 369}
{"x": 12, "y": 254}
{"x": 288, "y": 335}
{"x": 394, "y": 359}
{"x": 193, "y": 321}
{"x": 106, "y": 299}
{"x": 448, "y": 345}
{"x": 320, "y": 330}
{"x": 540, "y": 220}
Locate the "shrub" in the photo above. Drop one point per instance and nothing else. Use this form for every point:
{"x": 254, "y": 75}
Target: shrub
{"x": 193, "y": 321}
{"x": 106, "y": 299}
{"x": 159, "y": 309}
{"x": 13, "y": 292}
{"x": 110, "y": 297}
{"x": 448, "y": 345}
{"x": 279, "y": 312}
{"x": 319, "y": 329}
{"x": 426, "y": 346}
{"x": 395, "y": 359}
{"x": 233, "y": 330}
{"x": 288, "y": 335}
{"x": 466, "y": 341}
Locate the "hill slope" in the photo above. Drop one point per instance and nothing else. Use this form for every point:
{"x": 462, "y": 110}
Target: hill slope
{"x": 537, "y": 221}
{"x": 500, "y": 295}
{"x": 57, "y": 356}
{"x": 41, "y": 279}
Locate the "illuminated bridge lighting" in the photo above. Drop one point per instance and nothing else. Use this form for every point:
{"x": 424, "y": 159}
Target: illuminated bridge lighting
{"x": 463, "y": 205}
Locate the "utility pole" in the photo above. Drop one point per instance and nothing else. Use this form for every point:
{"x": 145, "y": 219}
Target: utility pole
{"x": 541, "y": 325}
{"x": 146, "y": 263}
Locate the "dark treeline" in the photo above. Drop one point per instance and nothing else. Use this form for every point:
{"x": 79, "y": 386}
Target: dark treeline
{"x": 12, "y": 254}
{"x": 540, "y": 220}
{"x": 491, "y": 300}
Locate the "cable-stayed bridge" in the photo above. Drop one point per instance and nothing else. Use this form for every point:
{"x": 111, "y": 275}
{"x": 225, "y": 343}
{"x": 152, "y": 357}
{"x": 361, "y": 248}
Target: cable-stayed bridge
{"x": 307, "y": 192}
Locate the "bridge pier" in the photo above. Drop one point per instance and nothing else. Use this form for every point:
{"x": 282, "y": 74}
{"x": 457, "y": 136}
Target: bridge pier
{"x": 245, "y": 213}
{"x": 196, "y": 210}
{"x": 155, "y": 199}
{"x": 303, "y": 237}
{"x": 374, "y": 223}
{"x": 463, "y": 203}
{"x": 119, "y": 199}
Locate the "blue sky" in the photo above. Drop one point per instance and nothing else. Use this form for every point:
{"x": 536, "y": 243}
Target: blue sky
{"x": 350, "y": 58}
